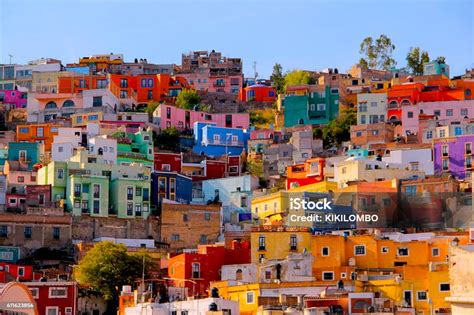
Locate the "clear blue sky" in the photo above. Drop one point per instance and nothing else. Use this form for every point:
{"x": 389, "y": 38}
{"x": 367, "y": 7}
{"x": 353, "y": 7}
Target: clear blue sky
{"x": 300, "y": 34}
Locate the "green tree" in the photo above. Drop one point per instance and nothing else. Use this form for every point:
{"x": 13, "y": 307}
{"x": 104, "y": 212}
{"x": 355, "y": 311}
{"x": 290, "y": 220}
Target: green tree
{"x": 168, "y": 139}
{"x": 152, "y": 107}
{"x": 339, "y": 129}
{"x": 107, "y": 267}
{"x": 188, "y": 98}
{"x": 441, "y": 59}
{"x": 415, "y": 60}
{"x": 377, "y": 54}
{"x": 277, "y": 78}
{"x": 297, "y": 77}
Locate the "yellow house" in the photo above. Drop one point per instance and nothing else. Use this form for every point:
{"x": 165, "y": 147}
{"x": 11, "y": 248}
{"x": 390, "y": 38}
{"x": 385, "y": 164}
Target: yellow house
{"x": 81, "y": 119}
{"x": 277, "y": 242}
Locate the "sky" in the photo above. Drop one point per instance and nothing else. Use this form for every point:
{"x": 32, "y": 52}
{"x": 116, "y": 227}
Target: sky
{"x": 298, "y": 34}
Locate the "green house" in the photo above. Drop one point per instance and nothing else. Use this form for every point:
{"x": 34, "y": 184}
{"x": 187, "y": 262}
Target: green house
{"x": 130, "y": 198}
{"x": 134, "y": 147}
{"x": 87, "y": 194}
{"x": 318, "y": 106}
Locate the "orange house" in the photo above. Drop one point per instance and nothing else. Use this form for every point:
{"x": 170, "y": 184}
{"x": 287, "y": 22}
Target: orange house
{"x": 309, "y": 172}
{"x": 76, "y": 84}
{"x": 258, "y": 93}
{"x": 43, "y": 133}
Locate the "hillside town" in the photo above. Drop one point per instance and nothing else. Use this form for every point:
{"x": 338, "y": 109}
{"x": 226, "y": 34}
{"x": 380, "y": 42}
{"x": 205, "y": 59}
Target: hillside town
{"x": 129, "y": 187}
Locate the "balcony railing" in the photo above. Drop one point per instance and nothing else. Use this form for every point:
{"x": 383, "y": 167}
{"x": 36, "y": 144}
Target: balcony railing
{"x": 223, "y": 142}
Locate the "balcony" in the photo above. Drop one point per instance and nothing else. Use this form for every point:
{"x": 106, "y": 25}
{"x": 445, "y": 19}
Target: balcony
{"x": 223, "y": 142}
{"x": 132, "y": 155}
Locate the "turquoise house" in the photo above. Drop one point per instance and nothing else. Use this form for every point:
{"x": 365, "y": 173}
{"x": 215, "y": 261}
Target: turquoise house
{"x": 28, "y": 152}
{"x": 434, "y": 67}
{"x": 311, "y": 108}
{"x": 135, "y": 147}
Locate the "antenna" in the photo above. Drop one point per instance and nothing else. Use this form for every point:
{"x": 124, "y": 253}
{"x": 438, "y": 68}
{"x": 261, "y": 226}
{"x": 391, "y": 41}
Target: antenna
{"x": 10, "y": 55}
{"x": 255, "y": 71}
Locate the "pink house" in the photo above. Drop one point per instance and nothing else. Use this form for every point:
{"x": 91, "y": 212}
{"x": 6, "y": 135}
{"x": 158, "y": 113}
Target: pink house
{"x": 446, "y": 112}
{"x": 14, "y": 97}
{"x": 265, "y": 134}
{"x": 206, "y": 82}
{"x": 168, "y": 115}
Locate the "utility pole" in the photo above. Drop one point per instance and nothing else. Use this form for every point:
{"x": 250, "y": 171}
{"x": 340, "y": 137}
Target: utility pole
{"x": 11, "y": 56}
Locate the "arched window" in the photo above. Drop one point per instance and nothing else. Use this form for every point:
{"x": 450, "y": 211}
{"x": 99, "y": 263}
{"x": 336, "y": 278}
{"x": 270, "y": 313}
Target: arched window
{"x": 238, "y": 274}
{"x": 393, "y": 104}
{"x": 467, "y": 93}
{"x": 271, "y": 93}
{"x": 301, "y": 121}
{"x": 405, "y": 102}
{"x": 51, "y": 105}
{"x": 101, "y": 151}
{"x": 68, "y": 103}
{"x": 393, "y": 118}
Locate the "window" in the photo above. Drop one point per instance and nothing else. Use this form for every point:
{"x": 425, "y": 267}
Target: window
{"x": 51, "y": 105}
{"x": 21, "y": 179}
{"x": 293, "y": 242}
{"x": 468, "y": 148}
{"x": 435, "y": 252}
{"x": 175, "y": 237}
{"x": 129, "y": 193}
{"x": 203, "y": 239}
{"x": 321, "y": 107}
{"x": 172, "y": 188}
{"x": 129, "y": 208}
{"x": 363, "y": 119}
{"x": 375, "y": 132}
{"x": 77, "y": 190}
{"x": 68, "y": 311}
{"x": 28, "y": 232}
{"x": 68, "y": 103}
{"x": 402, "y": 251}
{"x": 57, "y": 292}
{"x": 52, "y": 310}
{"x": 449, "y": 112}
{"x": 22, "y": 155}
{"x": 464, "y": 112}
{"x": 444, "y": 287}
{"x": 146, "y": 195}
{"x": 21, "y": 271}
{"x": 34, "y": 292}
{"x": 429, "y": 134}
{"x": 207, "y": 216}
{"x": 196, "y": 270}
{"x": 123, "y": 94}
{"x": 216, "y": 138}
{"x": 41, "y": 199}
{"x": 442, "y": 133}
{"x": 56, "y": 233}
{"x": 40, "y": 132}
{"x": 410, "y": 114}
{"x": 384, "y": 249}
{"x": 261, "y": 242}
{"x": 414, "y": 166}
{"x": 77, "y": 203}
{"x": 359, "y": 250}
{"x": 325, "y": 251}
{"x": 96, "y": 206}
{"x": 123, "y": 83}
{"x": 138, "y": 210}
{"x": 85, "y": 206}
{"x": 250, "y": 298}
{"x": 96, "y": 191}
{"x": 328, "y": 275}
{"x": 445, "y": 165}
{"x": 421, "y": 295}
{"x": 97, "y": 101}
{"x": 185, "y": 218}
{"x": 468, "y": 162}
{"x": 445, "y": 150}
{"x": 437, "y": 112}
{"x": 85, "y": 188}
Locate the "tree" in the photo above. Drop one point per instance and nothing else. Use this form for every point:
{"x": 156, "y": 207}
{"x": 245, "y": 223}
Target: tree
{"x": 441, "y": 60}
{"x": 168, "y": 139}
{"x": 415, "y": 60}
{"x": 338, "y": 129}
{"x": 150, "y": 109}
{"x": 277, "y": 78}
{"x": 297, "y": 77}
{"x": 188, "y": 98}
{"x": 377, "y": 54}
{"x": 107, "y": 267}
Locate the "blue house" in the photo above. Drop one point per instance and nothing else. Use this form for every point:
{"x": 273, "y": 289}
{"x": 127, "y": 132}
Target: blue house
{"x": 27, "y": 152}
{"x": 216, "y": 141}
{"x": 170, "y": 185}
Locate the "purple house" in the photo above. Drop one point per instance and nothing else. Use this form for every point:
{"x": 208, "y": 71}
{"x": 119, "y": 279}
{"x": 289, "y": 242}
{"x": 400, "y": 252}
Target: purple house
{"x": 13, "y": 97}
{"x": 454, "y": 156}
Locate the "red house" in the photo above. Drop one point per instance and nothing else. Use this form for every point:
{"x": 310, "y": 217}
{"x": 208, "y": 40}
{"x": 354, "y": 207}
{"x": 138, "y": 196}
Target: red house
{"x": 12, "y": 272}
{"x": 258, "y": 93}
{"x": 54, "y": 298}
{"x": 196, "y": 270}
{"x": 168, "y": 161}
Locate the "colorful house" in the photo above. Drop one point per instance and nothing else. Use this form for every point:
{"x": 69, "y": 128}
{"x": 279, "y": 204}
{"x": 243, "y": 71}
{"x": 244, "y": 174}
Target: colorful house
{"x": 371, "y": 108}
{"x": 134, "y": 147}
{"x": 309, "y": 172}
{"x": 203, "y": 266}
{"x": 13, "y": 97}
{"x": 170, "y": 185}
{"x": 43, "y": 133}
{"x": 166, "y": 116}
{"x": 211, "y": 140}
{"x": 258, "y": 93}
{"x": 317, "y": 106}
{"x": 435, "y": 67}
{"x": 454, "y": 156}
